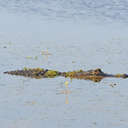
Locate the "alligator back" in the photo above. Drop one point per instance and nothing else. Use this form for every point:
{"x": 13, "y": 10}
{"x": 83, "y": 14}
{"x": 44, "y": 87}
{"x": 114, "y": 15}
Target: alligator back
{"x": 34, "y": 73}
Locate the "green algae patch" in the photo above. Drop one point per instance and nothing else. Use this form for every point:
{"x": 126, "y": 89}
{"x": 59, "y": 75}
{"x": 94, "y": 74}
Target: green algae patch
{"x": 51, "y": 73}
{"x": 35, "y": 73}
{"x": 73, "y": 73}
{"x": 33, "y": 69}
{"x": 42, "y": 73}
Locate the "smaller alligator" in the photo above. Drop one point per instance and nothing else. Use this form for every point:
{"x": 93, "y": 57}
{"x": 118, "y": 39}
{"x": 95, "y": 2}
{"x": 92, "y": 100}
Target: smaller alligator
{"x": 95, "y": 75}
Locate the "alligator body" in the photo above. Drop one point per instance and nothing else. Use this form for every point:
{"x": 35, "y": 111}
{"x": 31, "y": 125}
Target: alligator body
{"x": 95, "y": 75}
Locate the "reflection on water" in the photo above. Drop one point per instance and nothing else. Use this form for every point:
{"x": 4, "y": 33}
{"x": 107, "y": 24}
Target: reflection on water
{"x": 45, "y": 53}
{"x": 66, "y": 91}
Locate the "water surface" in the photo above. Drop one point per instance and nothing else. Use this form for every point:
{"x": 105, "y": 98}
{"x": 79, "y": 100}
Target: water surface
{"x": 63, "y": 35}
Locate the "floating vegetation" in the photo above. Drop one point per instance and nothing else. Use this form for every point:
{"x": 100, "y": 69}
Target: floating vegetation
{"x": 45, "y": 53}
{"x": 30, "y": 57}
{"x": 36, "y": 57}
{"x": 95, "y": 75}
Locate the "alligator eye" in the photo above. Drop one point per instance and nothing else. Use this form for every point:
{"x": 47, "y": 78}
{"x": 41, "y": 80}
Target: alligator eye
{"x": 98, "y": 70}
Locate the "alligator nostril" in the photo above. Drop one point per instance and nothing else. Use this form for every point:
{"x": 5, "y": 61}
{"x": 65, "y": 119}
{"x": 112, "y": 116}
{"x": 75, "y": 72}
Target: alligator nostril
{"x": 125, "y": 76}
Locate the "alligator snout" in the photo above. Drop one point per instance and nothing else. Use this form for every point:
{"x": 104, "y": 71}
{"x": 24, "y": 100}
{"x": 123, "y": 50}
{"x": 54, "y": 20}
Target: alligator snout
{"x": 121, "y": 75}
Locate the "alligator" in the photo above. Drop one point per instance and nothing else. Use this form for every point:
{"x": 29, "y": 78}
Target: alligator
{"x": 95, "y": 75}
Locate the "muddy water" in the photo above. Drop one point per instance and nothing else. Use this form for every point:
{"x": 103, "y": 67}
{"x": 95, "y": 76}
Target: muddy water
{"x": 30, "y": 40}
